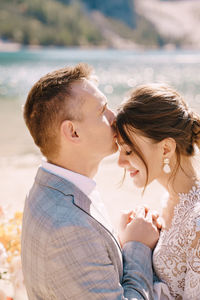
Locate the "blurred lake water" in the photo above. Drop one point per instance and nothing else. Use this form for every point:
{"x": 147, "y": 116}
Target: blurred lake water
{"x": 118, "y": 72}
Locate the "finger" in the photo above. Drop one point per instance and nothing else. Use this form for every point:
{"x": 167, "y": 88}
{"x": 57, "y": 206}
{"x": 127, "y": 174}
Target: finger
{"x": 155, "y": 226}
{"x": 124, "y": 219}
{"x": 155, "y": 214}
{"x": 140, "y": 212}
{"x": 147, "y": 208}
{"x": 159, "y": 223}
{"x": 132, "y": 216}
{"x": 133, "y": 213}
{"x": 149, "y": 216}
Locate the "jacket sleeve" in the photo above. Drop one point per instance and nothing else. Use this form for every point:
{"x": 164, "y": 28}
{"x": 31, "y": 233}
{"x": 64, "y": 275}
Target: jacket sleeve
{"x": 137, "y": 271}
{"x": 78, "y": 267}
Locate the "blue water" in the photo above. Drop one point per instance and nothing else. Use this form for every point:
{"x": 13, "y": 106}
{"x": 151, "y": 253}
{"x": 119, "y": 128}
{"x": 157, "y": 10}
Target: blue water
{"x": 118, "y": 71}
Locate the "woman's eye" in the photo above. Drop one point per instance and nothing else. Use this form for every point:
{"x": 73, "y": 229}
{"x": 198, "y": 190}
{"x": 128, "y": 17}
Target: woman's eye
{"x": 129, "y": 152}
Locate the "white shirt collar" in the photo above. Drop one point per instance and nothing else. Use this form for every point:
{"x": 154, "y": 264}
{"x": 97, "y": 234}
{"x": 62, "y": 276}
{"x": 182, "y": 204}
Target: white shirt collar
{"x": 85, "y": 184}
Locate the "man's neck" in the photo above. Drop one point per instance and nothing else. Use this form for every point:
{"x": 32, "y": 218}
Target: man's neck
{"x": 88, "y": 169}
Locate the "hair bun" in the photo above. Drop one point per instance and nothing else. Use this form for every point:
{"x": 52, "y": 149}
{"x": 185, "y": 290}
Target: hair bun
{"x": 196, "y": 127}
{"x": 195, "y": 136}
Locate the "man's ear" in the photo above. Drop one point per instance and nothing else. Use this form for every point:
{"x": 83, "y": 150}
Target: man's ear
{"x": 69, "y": 131}
{"x": 168, "y": 147}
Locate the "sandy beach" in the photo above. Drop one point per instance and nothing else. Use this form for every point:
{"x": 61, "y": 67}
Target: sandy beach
{"x": 19, "y": 160}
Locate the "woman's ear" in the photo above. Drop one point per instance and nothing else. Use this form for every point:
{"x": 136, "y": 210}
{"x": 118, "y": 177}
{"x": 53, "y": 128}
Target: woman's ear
{"x": 69, "y": 131}
{"x": 168, "y": 147}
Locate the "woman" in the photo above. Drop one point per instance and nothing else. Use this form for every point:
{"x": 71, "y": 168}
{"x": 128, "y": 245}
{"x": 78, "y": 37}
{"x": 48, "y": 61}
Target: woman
{"x": 159, "y": 137}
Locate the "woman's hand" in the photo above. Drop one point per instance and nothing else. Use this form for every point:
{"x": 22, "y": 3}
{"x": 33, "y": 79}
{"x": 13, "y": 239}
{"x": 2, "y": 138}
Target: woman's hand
{"x": 141, "y": 225}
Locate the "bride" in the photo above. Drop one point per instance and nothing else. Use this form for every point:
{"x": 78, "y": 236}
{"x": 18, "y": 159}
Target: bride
{"x": 159, "y": 137}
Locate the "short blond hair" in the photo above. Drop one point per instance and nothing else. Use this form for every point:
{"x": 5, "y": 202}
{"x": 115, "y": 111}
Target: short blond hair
{"x": 49, "y": 103}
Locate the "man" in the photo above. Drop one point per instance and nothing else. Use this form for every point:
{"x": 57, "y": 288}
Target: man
{"x": 68, "y": 248}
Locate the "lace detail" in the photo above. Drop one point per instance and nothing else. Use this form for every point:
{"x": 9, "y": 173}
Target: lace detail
{"x": 176, "y": 258}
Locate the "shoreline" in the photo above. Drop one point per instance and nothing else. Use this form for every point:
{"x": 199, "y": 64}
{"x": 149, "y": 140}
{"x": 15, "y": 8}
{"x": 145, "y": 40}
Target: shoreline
{"x": 8, "y": 46}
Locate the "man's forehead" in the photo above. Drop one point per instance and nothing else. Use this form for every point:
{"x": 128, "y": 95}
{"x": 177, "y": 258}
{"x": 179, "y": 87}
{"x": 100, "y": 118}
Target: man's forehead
{"x": 87, "y": 89}
{"x": 84, "y": 84}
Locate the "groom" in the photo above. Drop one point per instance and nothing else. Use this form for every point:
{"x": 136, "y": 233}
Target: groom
{"x": 69, "y": 250}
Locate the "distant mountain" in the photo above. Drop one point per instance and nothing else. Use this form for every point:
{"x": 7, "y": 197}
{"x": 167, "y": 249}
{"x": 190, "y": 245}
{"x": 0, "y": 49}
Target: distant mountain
{"x": 116, "y": 9}
{"x": 113, "y": 23}
{"x": 49, "y": 22}
{"x": 110, "y": 23}
{"x": 177, "y": 22}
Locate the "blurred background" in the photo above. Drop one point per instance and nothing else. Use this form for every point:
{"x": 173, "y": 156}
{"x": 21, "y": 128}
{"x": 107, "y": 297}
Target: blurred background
{"x": 128, "y": 42}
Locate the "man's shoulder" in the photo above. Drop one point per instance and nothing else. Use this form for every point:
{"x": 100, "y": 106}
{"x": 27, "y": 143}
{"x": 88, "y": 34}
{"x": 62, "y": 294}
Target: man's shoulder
{"x": 54, "y": 203}
{"x": 47, "y": 202}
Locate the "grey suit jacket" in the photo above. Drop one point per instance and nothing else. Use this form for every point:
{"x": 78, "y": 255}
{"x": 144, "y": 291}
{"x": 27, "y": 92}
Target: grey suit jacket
{"x": 68, "y": 254}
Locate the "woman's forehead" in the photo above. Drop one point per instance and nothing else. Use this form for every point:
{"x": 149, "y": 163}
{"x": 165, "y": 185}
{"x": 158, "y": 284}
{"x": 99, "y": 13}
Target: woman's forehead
{"x": 133, "y": 137}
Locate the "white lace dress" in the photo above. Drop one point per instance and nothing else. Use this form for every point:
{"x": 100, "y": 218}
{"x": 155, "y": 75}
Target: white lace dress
{"x": 176, "y": 258}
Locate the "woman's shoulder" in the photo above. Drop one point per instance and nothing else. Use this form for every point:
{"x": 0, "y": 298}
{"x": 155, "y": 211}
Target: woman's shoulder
{"x": 191, "y": 200}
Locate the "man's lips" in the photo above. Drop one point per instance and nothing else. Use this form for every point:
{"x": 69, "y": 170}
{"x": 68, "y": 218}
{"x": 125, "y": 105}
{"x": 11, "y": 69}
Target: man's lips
{"x": 134, "y": 173}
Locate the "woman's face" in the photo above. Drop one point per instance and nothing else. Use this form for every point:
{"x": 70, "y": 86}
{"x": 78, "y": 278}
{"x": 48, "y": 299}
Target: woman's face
{"x": 152, "y": 154}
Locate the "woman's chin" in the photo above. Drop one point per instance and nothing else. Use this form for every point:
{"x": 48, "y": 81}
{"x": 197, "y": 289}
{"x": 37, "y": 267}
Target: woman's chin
{"x": 139, "y": 183}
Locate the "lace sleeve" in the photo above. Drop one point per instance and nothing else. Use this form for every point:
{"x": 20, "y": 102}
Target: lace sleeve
{"x": 192, "y": 279}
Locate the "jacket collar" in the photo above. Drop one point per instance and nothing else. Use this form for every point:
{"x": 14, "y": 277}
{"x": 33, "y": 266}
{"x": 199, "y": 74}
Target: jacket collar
{"x": 45, "y": 178}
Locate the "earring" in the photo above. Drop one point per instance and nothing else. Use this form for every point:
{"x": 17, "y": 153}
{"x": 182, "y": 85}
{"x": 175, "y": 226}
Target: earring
{"x": 166, "y": 167}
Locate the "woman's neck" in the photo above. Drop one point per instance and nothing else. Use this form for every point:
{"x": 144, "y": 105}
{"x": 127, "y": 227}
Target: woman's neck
{"x": 181, "y": 182}
{"x": 183, "y": 179}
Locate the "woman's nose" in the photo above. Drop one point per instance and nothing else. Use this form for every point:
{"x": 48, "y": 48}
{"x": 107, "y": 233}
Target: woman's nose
{"x": 122, "y": 162}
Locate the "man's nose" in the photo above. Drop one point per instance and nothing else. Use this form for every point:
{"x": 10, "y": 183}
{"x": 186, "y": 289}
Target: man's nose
{"x": 112, "y": 117}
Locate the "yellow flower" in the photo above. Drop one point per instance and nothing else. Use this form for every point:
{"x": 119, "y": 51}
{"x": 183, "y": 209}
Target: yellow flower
{"x": 10, "y": 232}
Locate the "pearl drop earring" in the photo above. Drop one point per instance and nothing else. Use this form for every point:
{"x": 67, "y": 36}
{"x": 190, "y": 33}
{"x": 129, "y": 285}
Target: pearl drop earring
{"x": 166, "y": 167}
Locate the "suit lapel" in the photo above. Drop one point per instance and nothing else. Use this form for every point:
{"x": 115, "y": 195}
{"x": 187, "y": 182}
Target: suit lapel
{"x": 80, "y": 200}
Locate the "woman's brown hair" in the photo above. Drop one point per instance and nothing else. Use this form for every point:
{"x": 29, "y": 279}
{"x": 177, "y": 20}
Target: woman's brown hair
{"x": 158, "y": 112}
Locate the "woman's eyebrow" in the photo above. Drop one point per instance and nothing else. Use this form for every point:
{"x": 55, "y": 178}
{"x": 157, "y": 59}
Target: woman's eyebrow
{"x": 121, "y": 143}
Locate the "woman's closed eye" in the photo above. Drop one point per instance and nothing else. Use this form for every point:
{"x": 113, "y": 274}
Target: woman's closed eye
{"x": 128, "y": 152}
{"x": 125, "y": 149}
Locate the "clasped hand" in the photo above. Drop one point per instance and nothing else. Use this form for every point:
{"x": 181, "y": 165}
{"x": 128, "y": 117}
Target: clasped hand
{"x": 141, "y": 225}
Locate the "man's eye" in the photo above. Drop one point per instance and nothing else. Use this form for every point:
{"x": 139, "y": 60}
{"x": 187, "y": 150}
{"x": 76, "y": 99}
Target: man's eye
{"x": 129, "y": 152}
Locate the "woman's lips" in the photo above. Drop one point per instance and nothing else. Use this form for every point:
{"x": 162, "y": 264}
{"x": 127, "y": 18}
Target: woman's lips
{"x": 134, "y": 173}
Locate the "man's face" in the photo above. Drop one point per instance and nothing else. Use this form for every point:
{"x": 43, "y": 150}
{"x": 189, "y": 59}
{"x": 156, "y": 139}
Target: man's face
{"x": 95, "y": 130}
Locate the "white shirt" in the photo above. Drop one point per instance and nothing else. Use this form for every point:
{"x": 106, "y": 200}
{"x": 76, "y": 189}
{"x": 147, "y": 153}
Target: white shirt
{"x": 87, "y": 186}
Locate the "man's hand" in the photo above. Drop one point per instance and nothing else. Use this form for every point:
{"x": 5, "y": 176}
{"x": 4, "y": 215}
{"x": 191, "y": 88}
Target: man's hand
{"x": 140, "y": 226}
